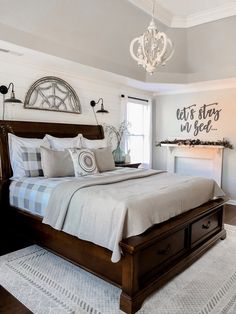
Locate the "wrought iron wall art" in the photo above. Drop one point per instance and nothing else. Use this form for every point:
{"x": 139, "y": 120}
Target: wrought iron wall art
{"x": 53, "y": 94}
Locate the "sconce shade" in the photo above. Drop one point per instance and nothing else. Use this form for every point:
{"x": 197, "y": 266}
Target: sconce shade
{"x": 102, "y": 110}
{"x": 13, "y": 100}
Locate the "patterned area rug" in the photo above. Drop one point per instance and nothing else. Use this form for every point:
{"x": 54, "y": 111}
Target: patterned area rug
{"x": 45, "y": 283}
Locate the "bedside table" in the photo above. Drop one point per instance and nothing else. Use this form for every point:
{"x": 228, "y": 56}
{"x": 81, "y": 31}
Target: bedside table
{"x": 130, "y": 165}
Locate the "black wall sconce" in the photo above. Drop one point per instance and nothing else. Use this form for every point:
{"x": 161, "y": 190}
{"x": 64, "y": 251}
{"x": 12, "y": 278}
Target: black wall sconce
{"x": 93, "y": 103}
{"x": 102, "y": 110}
{"x": 4, "y": 90}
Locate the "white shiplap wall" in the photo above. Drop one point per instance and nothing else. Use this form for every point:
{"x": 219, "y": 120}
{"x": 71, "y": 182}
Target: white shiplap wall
{"x": 89, "y": 83}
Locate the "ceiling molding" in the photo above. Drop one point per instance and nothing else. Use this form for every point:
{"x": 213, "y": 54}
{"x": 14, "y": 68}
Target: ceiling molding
{"x": 207, "y": 16}
{"x": 177, "y": 21}
{"x": 204, "y": 86}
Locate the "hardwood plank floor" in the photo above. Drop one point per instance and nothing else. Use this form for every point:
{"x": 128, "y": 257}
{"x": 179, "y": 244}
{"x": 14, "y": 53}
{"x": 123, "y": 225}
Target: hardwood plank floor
{"x": 10, "y": 305}
{"x": 230, "y": 214}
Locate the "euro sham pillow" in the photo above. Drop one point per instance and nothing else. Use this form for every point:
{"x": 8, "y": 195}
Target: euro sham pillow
{"x": 62, "y": 143}
{"x": 15, "y": 144}
{"x": 93, "y": 144}
{"x": 104, "y": 159}
{"x": 56, "y": 163}
{"x": 32, "y": 161}
{"x": 84, "y": 161}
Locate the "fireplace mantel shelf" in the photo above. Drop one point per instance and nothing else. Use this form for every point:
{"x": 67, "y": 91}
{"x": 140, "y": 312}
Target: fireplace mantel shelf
{"x": 193, "y": 146}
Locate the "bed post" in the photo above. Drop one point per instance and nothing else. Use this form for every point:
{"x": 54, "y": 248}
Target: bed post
{"x": 129, "y": 303}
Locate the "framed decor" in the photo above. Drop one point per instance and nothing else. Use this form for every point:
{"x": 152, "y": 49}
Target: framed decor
{"x": 53, "y": 94}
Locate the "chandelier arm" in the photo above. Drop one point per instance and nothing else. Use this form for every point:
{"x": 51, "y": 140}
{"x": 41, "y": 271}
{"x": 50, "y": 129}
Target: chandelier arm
{"x": 163, "y": 35}
{"x": 143, "y": 49}
{"x": 172, "y": 50}
{"x": 131, "y": 49}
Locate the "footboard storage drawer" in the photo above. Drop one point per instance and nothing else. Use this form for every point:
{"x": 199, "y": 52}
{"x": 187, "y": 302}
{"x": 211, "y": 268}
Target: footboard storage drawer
{"x": 204, "y": 227}
{"x": 162, "y": 253}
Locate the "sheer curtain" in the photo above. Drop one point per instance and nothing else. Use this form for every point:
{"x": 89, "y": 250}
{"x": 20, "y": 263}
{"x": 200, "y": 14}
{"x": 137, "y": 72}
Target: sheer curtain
{"x": 138, "y": 114}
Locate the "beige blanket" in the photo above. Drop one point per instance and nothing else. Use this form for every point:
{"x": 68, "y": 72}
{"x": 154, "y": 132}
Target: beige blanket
{"x": 104, "y": 210}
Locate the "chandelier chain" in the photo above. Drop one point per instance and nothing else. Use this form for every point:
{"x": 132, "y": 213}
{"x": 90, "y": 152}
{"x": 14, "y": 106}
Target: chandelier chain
{"x": 153, "y": 8}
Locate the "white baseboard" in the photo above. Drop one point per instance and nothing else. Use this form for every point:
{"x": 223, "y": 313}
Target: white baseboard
{"x": 232, "y": 202}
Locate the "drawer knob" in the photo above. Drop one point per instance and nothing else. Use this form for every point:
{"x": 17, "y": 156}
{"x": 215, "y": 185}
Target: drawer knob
{"x": 206, "y": 226}
{"x": 165, "y": 251}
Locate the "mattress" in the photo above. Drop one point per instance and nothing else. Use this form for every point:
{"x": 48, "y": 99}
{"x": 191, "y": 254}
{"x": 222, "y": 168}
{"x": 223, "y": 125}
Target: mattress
{"x": 32, "y": 194}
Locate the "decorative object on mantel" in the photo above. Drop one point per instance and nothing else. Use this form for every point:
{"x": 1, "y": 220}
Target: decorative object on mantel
{"x": 4, "y": 90}
{"x": 53, "y": 94}
{"x": 190, "y": 142}
{"x": 93, "y": 103}
{"x": 154, "y": 47}
{"x": 117, "y": 135}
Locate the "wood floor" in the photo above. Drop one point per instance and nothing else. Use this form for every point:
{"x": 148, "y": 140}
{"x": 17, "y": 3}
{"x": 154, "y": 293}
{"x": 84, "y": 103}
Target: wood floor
{"x": 10, "y": 305}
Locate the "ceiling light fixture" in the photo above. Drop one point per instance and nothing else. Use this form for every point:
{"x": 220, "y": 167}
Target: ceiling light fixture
{"x": 153, "y": 48}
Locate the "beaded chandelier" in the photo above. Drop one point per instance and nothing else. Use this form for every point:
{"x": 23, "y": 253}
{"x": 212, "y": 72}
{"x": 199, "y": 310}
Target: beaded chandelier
{"x": 153, "y": 48}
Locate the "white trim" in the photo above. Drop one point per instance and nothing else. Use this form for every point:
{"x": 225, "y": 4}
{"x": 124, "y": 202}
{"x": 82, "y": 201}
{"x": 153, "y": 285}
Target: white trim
{"x": 232, "y": 202}
{"x": 227, "y": 83}
{"x": 176, "y": 21}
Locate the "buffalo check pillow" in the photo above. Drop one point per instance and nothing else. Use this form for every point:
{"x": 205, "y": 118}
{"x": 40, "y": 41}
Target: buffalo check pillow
{"x": 32, "y": 161}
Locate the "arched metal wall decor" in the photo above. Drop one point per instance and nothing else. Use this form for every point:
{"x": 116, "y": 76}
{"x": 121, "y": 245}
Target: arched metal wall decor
{"x": 53, "y": 94}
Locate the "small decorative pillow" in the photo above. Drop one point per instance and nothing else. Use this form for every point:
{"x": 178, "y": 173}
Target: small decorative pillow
{"x": 93, "y": 144}
{"x": 84, "y": 161}
{"x": 56, "y": 163}
{"x": 32, "y": 161}
{"x": 104, "y": 159}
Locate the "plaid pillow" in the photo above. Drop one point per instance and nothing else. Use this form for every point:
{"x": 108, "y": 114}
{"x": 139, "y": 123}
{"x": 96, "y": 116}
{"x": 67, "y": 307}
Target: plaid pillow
{"x": 32, "y": 161}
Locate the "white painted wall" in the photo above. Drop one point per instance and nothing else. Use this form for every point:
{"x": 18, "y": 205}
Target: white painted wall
{"x": 166, "y": 125}
{"x": 89, "y": 84}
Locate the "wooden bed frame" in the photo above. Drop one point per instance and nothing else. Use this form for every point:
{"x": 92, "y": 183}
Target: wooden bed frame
{"x": 149, "y": 260}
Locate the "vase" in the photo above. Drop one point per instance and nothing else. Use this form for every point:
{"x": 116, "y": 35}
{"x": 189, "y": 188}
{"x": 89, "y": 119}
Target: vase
{"x": 118, "y": 155}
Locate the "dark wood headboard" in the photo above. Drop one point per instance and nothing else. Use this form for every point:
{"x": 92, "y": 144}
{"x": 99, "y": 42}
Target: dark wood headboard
{"x": 38, "y": 130}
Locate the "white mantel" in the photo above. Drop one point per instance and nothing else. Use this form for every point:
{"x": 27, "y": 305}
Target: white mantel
{"x": 199, "y": 160}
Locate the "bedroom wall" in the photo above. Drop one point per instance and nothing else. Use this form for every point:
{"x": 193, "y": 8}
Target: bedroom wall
{"x": 89, "y": 84}
{"x": 167, "y": 126}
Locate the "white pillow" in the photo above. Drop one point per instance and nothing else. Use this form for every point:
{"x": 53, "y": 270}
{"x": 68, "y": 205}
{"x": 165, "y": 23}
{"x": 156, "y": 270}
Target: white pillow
{"x": 84, "y": 161}
{"x": 62, "y": 143}
{"x": 16, "y": 145}
{"x": 93, "y": 144}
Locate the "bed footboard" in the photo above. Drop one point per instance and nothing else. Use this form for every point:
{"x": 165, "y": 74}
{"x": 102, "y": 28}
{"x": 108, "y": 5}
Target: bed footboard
{"x": 153, "y": 258}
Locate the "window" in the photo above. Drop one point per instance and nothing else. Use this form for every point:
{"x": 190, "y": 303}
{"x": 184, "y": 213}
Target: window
{"x": 138, "y": 115}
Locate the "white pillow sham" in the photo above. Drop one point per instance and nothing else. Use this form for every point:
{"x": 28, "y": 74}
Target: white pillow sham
{"x": 62, "y": 143}
{"x": 93, "y": 144}
{"x": 16, "y": 144}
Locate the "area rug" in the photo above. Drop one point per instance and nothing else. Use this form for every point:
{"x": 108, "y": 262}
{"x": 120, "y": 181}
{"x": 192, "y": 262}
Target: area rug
{"x": 45, "y": 283}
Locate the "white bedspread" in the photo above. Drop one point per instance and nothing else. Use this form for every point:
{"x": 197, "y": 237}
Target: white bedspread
{"x": 106, "y": 213}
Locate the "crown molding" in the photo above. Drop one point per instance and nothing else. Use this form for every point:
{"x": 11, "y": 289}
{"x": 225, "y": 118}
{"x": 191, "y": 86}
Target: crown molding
{"x": 207, "y": 16}
{"x": 177, "y": 21}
